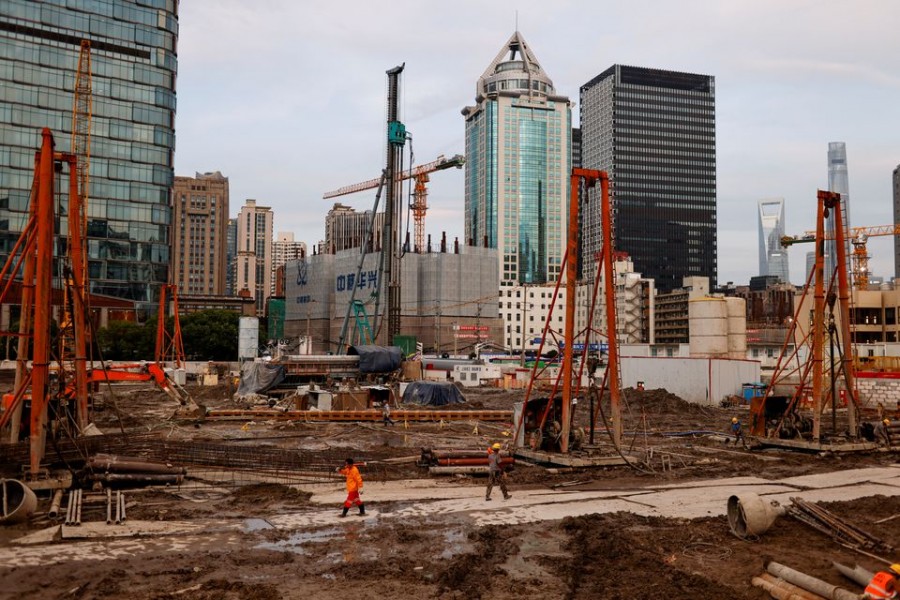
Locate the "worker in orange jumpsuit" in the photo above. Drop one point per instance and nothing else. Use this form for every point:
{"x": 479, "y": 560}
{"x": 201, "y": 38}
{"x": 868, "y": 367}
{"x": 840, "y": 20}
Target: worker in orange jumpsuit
{"x": 883, "y": 585}
{"x": 354, "y": 487}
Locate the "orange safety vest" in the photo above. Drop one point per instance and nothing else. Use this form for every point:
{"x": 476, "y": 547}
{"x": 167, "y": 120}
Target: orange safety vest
{"x": 354, "y": 479}
{"x": 882, "y": 586}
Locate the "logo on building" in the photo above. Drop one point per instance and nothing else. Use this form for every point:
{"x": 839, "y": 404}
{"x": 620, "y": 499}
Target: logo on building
{"x": 302, "y": 272}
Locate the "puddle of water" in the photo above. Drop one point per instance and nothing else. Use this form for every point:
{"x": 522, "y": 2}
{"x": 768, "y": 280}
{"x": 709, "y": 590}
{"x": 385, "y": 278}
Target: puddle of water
{"x": 251, "y": 525}
{"x": 297, "y": 540}
{"x": 454, "y": 543}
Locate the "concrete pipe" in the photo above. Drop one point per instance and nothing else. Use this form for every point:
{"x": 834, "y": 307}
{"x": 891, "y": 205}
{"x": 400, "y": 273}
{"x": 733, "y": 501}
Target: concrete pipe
{"x": 17, "y": 500}
{"x": 748, "y": 514}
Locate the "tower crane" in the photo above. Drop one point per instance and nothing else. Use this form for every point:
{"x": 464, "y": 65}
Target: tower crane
{"x": 859, "y": 237}
{"x": 420, "y": 193}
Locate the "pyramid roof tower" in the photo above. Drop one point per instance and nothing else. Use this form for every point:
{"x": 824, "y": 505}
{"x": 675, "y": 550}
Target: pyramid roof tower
{"x": 515, "y": 69}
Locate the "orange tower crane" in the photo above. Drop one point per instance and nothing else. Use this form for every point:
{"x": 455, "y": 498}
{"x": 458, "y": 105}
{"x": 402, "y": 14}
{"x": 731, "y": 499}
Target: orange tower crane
{"x": 419, "y": 204}
{"x": 858, "y": 236}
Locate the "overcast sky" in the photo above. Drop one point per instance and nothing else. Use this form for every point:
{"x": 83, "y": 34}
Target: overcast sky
{"x": 287, "y": 97}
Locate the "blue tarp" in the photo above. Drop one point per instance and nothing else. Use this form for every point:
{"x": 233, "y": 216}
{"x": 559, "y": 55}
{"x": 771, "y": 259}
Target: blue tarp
{"x": 427, "y": 393}
{"x": 377, "y": 359}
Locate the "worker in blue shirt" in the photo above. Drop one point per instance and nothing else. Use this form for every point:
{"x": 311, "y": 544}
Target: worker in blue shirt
{"x": 738, "y": 432}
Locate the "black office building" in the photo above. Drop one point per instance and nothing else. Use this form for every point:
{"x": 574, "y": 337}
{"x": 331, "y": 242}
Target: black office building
{"x": 654, "y": 132}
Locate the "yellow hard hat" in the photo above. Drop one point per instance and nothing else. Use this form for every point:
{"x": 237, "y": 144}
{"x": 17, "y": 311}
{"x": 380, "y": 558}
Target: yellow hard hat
{"x": 496, "y": 446}
{"x": 734, "y": 419}
{"x": 895, "y": 568}
{"x": 887, "y": 421}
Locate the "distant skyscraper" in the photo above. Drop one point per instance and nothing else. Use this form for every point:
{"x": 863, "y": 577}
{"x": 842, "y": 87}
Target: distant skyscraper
{"x": 254, "y": 252}
{"x": 773, "y": 258}
{"x": 346, "y": 228}
{"x": 199, "y": 234}
{"x": 518, "y": 161}
{"x": 230, "y": 257}
{"x": 654, "y": 132}
{"x": 284, "y": 248}
{"x": 839, "y": 181}
{"x": 132, "y": 135}
{"x": 897, "y": 220}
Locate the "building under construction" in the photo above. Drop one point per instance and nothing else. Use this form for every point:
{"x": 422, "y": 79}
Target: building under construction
{"x": 449, "y": 300}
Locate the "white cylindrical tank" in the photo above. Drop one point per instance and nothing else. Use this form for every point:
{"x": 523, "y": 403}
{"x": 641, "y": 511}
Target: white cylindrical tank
{"x": 737, "y": 327}
{"x": 248, "y": 338}
{"x": 708, "y": 327}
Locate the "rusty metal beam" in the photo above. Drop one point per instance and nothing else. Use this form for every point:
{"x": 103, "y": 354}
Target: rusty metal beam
{"x": 364, "y": 415}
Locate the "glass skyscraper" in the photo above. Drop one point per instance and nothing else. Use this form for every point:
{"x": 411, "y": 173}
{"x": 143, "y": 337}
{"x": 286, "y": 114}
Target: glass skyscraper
{"x": 838, "y": 181}
{"x": 133, "y": 51}
{"x": 654, "y": 132}
{"x": 773, "y": 257}
{"x": 518, "y": 161}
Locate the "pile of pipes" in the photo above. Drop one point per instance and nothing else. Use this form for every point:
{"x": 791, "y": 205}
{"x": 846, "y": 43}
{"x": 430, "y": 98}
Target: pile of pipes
{"x": 785, "y": 583}
{"x": 459, "y": 462}
{"x": 111, "y": 469}
{"x": 843, "y": 532}
{"x": 115, "y": 508}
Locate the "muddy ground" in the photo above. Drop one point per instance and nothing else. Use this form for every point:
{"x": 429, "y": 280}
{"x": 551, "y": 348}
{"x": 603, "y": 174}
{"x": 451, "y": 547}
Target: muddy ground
{"x": 618, "y": 555}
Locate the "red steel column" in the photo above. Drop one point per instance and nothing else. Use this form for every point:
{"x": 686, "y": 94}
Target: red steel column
{"x": 42, "y": 299}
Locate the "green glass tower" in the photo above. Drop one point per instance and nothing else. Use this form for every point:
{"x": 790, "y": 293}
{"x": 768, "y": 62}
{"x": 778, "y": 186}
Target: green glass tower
{"x": 133, "y": 55}
{"x": 518, "y": 160}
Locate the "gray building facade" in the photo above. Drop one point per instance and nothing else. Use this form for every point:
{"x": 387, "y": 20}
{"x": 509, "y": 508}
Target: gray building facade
{"x": 440, "y": 290}
{"x": 134, "y": 62}
{"x": 654, "y": 132}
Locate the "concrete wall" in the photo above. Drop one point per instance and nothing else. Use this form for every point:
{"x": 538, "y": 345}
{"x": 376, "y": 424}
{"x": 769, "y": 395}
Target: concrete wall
{"x": 697, "y": 380}
{"x": 874, "y": 390}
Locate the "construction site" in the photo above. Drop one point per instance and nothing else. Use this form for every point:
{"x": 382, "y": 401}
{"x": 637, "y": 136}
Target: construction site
{"x": 627, "y": 476}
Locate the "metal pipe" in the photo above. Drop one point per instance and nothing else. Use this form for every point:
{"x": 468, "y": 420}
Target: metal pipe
{"x": 781, "y": 591}
{"x": 70, "y": 508}
{"x": 78, "y": 501}
{"x": 108, "y": 506}
{"x": 119, "y": 464}
{"x": 54, "y": 504}
{"x": 118, "y": 507}
{"x": 123, "y": 508}
{"x": 857, "y": 574}
{"x": 809, "y": 583}
{"x": 137, "y": 478}
{"x": 5, "y": 502}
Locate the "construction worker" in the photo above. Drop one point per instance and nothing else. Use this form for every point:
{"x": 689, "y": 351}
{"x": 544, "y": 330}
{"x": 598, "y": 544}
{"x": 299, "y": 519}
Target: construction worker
{"x": 882, "y": 433}
{"x": 883, "y": 585}
{"x": 737, "y": 430}
{"x": 354, "y": 487}
{"x": 386, "y": 413}
{"x": 496, "y": 475}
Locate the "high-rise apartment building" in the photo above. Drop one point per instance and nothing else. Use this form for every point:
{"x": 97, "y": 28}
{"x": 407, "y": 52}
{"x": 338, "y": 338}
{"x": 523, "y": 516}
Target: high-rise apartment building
{"x": 518, "y": 161}
{"x": 254, "y": 253}
{"x": 773, "y": 257}
{"x": 134, "y": 61}
{"x": 654, "y": 132}
{"x": 284, "y": 248}
{"x": 838, "y": 181}
{"x": 230, "y": 257}
{"x": 199, "y": 231}
{"x": 346, "y": 228}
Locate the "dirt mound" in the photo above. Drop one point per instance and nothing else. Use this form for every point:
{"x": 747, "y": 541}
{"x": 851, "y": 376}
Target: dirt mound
{"x": 661, "y": 401}
{"x": 222, "y": 589}
{"x": 264, "y": 494}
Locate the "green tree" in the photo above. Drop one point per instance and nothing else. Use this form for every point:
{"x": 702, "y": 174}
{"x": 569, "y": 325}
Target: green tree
{"x": 124, "y": 340}
{"x": 210, "y": 335}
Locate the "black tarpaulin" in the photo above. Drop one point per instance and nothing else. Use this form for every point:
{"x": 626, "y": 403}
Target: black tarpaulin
{"x": 257, "y": 377}
{"x": 429, "y": 393}
{"x": 377, "y": 359}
